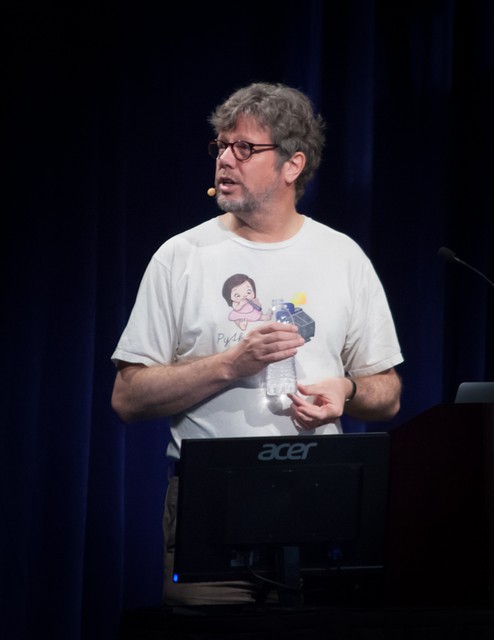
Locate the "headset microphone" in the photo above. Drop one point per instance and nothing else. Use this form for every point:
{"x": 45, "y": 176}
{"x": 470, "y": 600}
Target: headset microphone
{"x": 211, "y": 192}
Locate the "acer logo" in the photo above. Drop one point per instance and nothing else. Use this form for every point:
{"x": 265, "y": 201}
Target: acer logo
{"x": 295, "y": 451}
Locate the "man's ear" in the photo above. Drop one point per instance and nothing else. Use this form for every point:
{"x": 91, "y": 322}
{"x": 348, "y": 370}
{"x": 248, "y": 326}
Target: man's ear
{"x": 294, "y": 166}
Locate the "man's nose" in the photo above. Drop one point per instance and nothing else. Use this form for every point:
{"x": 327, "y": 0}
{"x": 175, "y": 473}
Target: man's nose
{"x": 227, "y": 157}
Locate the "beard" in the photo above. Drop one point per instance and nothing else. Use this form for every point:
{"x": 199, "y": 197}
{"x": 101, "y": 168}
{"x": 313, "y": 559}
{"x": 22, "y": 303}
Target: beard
{"x": 247, "y": 202}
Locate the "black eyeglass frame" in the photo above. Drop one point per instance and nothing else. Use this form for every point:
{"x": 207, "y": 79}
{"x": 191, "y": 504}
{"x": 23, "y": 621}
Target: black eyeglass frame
{"x": 215, "y": 152}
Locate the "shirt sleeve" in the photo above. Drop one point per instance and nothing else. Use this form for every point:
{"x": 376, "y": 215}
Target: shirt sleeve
{"x": 371, "y": 343}
{"x": 150, "y": 335}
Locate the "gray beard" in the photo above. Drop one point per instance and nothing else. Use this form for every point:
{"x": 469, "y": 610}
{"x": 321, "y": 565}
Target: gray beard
{"x": 247, "y": 204}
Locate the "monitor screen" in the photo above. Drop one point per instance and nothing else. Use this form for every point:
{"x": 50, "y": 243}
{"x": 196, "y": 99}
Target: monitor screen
{"x": 282, "y": 509}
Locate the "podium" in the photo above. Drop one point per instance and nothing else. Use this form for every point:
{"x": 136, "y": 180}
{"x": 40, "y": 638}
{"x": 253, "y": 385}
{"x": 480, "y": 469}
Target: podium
{"x": 441, "y": 509}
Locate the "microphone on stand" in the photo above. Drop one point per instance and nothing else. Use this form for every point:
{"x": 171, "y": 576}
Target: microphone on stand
{"x": 450, "y": 256}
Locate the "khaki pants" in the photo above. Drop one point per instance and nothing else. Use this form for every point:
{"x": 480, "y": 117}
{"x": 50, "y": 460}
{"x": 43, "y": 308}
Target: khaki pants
{"x": 195, "y": 593}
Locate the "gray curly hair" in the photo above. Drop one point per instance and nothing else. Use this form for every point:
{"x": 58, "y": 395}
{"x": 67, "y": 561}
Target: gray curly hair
{"x": 289, "y": 116}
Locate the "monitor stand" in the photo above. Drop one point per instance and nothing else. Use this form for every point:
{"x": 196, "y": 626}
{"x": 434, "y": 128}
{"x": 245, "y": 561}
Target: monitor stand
{"x": 288, "y": 577}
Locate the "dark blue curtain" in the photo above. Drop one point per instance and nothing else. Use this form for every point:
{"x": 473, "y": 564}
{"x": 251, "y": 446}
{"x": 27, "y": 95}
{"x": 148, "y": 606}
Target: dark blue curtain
{"x": 104, "y": 156}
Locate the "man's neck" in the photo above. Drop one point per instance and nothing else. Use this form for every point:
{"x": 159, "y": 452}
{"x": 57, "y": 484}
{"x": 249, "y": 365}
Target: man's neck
{"x": 259, "y": 227}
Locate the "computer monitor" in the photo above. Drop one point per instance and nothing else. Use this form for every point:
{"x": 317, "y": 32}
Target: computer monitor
{"x": 304, "y": 513}
{"x": 475, "y": 392}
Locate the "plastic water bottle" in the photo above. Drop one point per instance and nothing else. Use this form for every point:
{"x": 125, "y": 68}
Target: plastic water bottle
{"x": 281, "y": 377}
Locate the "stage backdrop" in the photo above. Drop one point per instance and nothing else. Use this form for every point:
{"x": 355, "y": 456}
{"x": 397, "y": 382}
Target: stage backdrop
{"x": 104, "y": 142}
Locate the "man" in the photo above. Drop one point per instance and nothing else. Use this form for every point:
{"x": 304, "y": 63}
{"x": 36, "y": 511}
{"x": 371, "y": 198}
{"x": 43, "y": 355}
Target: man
{"x": 201, "y": 333}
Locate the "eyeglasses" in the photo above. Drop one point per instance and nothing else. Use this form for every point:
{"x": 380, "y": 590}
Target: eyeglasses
{"x": 241, "y": 149}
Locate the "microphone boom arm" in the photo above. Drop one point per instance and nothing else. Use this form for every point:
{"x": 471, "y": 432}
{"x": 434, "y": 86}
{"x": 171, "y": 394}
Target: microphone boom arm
{"x": 450, "y": 256}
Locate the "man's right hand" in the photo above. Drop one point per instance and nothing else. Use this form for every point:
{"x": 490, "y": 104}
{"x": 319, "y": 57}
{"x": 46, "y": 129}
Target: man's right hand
{"x": 263, "y": 345}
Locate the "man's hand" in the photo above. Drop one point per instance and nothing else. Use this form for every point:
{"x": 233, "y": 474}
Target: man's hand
{"x": 377, "y": 398}
{"x": 325, "y": 402}
{"x": 263, "y": 345}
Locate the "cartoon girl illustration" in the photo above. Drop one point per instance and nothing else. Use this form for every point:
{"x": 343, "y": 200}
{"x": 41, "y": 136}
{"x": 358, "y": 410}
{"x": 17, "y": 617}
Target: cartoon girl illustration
{"x": 239, "y": 292}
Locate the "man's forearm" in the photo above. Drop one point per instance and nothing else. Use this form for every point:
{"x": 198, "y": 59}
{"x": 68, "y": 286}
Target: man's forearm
{"x": 377, "y": 397}
{"x": 142, "y": 393}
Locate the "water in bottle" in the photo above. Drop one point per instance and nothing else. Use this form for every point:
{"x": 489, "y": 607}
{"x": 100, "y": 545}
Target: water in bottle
{"x": 281, "y": 377}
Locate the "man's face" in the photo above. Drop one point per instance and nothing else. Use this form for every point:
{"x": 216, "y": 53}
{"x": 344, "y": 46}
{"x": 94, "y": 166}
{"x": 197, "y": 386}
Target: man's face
{"x": 247, "y": 186}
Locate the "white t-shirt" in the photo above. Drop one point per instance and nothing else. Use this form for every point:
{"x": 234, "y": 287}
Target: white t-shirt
{"x": 204, "y": 289}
